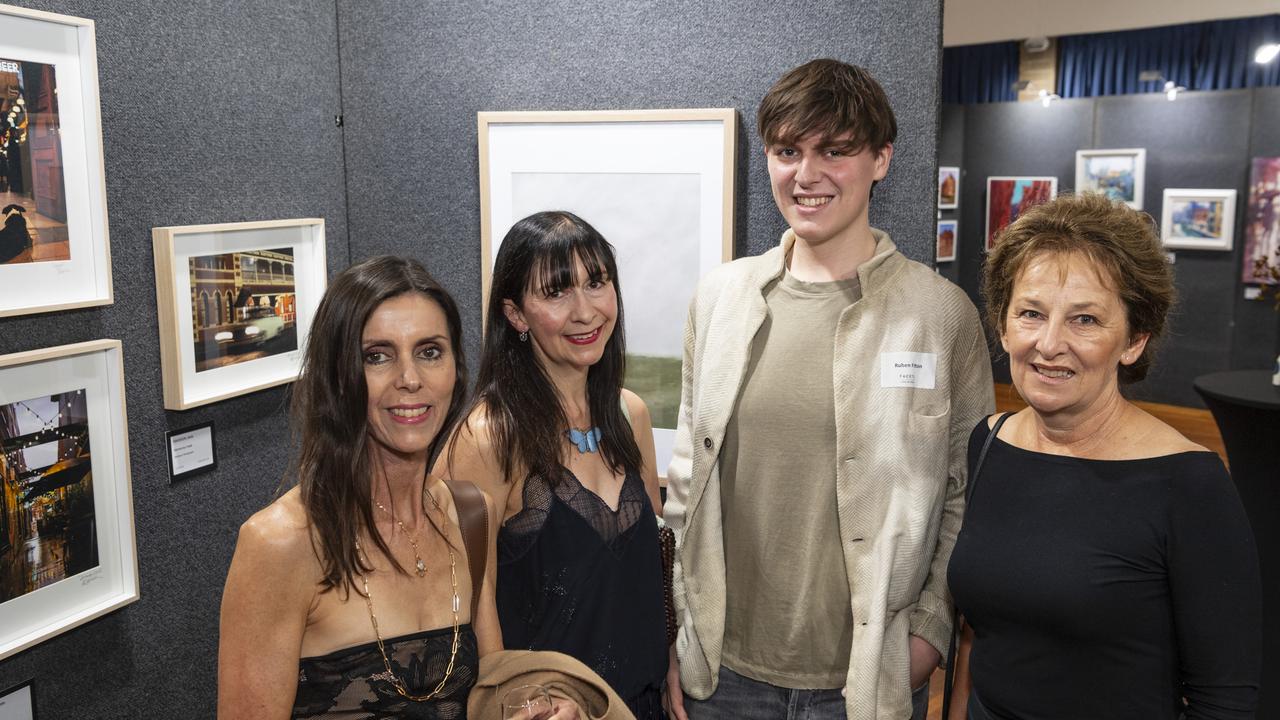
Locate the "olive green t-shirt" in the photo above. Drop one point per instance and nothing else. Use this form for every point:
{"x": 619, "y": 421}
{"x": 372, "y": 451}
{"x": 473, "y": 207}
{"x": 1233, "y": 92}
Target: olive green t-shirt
{"x": 788, "y": 620}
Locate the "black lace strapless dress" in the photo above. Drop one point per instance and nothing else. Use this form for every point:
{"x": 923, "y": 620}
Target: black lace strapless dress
{"x": 352, "y": 682}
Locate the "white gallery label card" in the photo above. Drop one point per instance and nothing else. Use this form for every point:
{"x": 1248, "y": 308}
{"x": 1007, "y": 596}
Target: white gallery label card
{"x": 908, "y": 369}
{"x": 18, "y": 703}
{"x": 191, "y": 451}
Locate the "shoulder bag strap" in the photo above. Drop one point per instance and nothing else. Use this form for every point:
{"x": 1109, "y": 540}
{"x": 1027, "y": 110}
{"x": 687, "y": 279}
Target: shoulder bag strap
{"x": 953, "y": 648}
{"x": 473, "y": 523}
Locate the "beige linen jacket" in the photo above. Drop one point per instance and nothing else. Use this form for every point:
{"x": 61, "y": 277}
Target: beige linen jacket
{"x": 901, "y": 450}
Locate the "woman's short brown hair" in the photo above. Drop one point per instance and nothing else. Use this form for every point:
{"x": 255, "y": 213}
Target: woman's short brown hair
{"x": 1123, "y": 245}
{"x": 830, "y": 98}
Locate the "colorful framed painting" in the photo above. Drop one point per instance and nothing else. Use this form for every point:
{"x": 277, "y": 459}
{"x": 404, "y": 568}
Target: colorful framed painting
{"x": 948, "y": 188}
{"x": 1009, "y": 197}
{"x": 947, "y": 233}
{"x": 236, "y": 301}
{"x": 1198, "y": 219}
{"x": 67, "y": 551}
{"x": 1118, "y": 174}
{"x": 658, "y": 184}
{"x": 54, "y": 250}
{"x": 1262, "y": 220}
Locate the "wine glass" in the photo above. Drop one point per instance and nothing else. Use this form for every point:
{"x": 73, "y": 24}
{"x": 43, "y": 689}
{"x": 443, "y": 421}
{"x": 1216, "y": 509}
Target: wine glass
{"x": 526, "y": 702}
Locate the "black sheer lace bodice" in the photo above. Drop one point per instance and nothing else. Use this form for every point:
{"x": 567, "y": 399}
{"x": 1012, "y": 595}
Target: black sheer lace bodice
{"x": 580, "y": 578}
{"x": 352, "y": 682}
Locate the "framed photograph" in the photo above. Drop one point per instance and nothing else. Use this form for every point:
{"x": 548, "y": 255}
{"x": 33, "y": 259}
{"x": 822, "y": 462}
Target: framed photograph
{"x": 946, "y": 249}
{"x": 235, "y": 303}
{"x": 67, "y": 550}
{"x": 1118, "y": 174}
{"x": 658, "y": 184}
{"x": 54, "y": 252}
{"x": 948, "y": 188}
{"x": 1009, "y": 197}
{"x": 19, "y": 702}
{"x": 1198, "y": 219}
{"x": 1262, "y": 219}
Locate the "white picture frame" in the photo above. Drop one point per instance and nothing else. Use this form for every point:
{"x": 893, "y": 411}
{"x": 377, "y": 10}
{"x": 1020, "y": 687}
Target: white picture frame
{"x": 1001, "y": 210}
{"x": 64, "y": 465}
{"x": 948, "y": 188}
{"x": 628, "y": 173}
{"x": 67, "y": 263}
{"x": 235, "y": 302}
{"x": 1198, "y": 219}
{"x": 1119, "y": 174}
{"x": 945, "y": 248}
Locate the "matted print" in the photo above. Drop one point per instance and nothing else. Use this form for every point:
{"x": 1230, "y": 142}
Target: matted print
{"x": 1262, "y": 219}
{"x": 658, "y": 184}
{"x": 236, "y": 301}
{"x": 946, "y": 249}
{"x": 1118, "y": 174}
{"x": 54, "y": 251}
{"x": 66, "y": 515}
{"x": 1009, "y": 197}
{"x": 1194, "y": 219}
{"x": 948, "y": 188}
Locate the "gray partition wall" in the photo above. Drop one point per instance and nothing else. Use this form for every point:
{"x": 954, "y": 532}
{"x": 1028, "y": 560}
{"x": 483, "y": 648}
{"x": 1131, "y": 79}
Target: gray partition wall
{"x": 220, "y": 112}
{"x": 1201, "y": 140}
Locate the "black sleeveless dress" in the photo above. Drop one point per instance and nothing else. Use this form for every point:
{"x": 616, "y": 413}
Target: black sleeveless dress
{"x": 352, "y": 683}
{"x": 579, "y": 578}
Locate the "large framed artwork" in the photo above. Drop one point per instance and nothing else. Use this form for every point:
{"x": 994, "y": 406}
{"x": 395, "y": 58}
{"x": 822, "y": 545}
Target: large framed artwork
{"x": 236, "y": 301}
{"x": 948, "y": 188}
{"x": 658, "y": 184}
{"x": 54, "y": 252}
{"x": 1118, "y": 174}
{"x": 1262, "y": 220}
{"x": 1198, "y": 219}
{"x": 1009, "y": 197}
{"x": 67, "y": 550}
{"x": 946, "y": 248}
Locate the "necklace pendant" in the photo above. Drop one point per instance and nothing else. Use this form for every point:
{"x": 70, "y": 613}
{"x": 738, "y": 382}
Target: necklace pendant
{"x": 422, "y": 568}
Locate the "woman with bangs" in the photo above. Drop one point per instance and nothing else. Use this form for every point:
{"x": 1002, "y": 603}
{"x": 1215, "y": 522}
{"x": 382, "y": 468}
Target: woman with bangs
{"x": 567, "y": 456}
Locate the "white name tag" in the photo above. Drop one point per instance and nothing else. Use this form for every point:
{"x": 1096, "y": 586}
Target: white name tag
{"x": 908, "y": 369}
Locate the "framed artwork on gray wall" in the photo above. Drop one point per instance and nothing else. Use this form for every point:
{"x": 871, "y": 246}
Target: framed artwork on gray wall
{"x": 235, "y": 302}
{"x": 67, "y": 551}
{"x": 1262, "y": 220}
{"x": 1009, "y": 197}
{"x": 54, "y": 251}
{"x": 658, "y": 184}
{"x": 948, "y": 230}
{"x": 1118, "y": 174}
{"x": 948, "y": 188}
{"x": 1198, "y": 219}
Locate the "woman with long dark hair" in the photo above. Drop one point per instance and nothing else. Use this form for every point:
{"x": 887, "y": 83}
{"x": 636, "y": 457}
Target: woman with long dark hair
{"x": 567, "y": 456}
{"x": 350, "y": 596}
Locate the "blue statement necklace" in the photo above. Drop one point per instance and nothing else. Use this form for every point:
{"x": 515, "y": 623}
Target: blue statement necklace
{"x": 588, "y": 441}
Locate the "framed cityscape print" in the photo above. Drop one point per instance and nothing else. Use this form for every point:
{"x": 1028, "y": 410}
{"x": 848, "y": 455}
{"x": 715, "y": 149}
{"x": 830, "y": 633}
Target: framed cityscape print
{"x": 948, "y": 188}
{"x": 235, "y": 303}
{"x": 1009, "y": 197}
{"x": 946, "y": 249}
{"x": 1198, "y": 219}
{"x": 1262, "y": 220}
{"x": 67, "y": 551}
{"x": 54, "y": 251}
{"x": 1118, "y": 174}
{"x": 658, "y": 184}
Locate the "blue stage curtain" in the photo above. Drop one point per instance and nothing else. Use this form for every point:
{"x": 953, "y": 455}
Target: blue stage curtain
{"x": 980, "y": 73}
{"x": 1227, "y": 57}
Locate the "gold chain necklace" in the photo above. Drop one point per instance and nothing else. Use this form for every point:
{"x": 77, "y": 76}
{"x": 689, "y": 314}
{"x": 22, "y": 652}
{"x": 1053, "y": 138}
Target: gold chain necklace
{"x": 418, "y": 564}
{"x": 453, "y": 652}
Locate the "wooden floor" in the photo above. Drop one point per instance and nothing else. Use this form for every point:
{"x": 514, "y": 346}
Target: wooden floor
{"x": 1196, "y": 424}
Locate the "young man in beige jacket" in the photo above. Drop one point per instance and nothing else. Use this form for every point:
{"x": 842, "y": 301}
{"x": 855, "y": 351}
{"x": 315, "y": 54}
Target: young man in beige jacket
{"x": 829, "y": 389}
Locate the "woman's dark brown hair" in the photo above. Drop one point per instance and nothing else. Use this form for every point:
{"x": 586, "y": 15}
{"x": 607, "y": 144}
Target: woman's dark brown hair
{"x": 1122, "y": 243}
{"x": 330, "y": 408}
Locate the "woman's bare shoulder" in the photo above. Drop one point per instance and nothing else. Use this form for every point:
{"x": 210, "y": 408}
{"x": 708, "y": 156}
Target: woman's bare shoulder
{"x": 1160, "y": 438}
{"x": 280, "y": 533}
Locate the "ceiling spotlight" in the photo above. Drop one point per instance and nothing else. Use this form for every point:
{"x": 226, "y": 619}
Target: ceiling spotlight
{"x": 1047, "y": 97}
{"x": 1267, "y": 53}
{"x": 1171, "y": 90}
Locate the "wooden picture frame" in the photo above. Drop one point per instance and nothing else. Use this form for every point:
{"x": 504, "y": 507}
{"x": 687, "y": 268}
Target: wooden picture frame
{"x": 55, "y": 252}
{"x": 1118, "y": 174}
{"x": 658, "y": 184}
{"x": 235, "y": 302}
{"x": 1196, "y": 219}
{"x": 67, "y": 492}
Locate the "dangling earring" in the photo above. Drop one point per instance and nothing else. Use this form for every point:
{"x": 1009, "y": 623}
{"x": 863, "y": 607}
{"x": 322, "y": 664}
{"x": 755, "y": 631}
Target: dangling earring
{"x": 524, "y": 336}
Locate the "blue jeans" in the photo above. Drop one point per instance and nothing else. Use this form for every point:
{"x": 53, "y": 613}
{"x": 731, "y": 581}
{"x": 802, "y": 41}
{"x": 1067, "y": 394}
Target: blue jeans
{"x": 740, "y": 698}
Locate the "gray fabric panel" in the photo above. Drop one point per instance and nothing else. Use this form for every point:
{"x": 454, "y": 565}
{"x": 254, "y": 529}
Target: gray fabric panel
{"x": 212, "y": 112}
{"x": 413, "y": 82}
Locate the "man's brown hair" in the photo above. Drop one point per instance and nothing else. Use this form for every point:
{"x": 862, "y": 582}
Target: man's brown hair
{"x": 830, "y": 98}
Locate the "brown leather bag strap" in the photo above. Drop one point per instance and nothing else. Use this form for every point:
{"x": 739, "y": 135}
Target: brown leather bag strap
{"x": 473, "y": 522}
